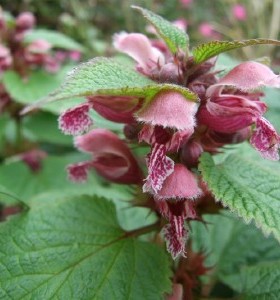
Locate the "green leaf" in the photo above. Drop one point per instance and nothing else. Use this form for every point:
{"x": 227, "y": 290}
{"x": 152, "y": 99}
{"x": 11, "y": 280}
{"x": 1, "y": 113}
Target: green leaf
{"x": 43, "y": 127}
{"x": 56, "y": 39}
{"x": 73, "y": 248}
{"x": 249, "y": 187}
{"x": 272, "y": 100}
{"x": 38, "y": 85}
{"x": 230, "y": 245}
{"x": 174, "y": 37}
{"x": 53, "y": 178}
{"x": 205, "y": 51}
{"x": 261, "y": 282}
{"x": 104, "y": 76}
{"x": 7, "y": 197}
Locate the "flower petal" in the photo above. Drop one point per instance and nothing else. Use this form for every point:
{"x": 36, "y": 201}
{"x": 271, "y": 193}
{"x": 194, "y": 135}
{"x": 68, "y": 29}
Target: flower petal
{"x": 75, "y": 121}
{"x": 138, "y": 46}
{"x": 169, "y": 109}
{"x": 119, "y": 109}
{"x": 266, "y": 140}
{"x": 181, "y": 184}
{"x": 230, "y": 113}
{"x": 78, "y": 172}
{"x": 159, "y": 166}
{"x": 175, "y": 235}
{"x": 245, "y": 77}
{"x": 112, "y": 158}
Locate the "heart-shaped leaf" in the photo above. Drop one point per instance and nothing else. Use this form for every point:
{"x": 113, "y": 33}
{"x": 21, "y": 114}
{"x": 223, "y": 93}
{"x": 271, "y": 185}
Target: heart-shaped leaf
{"x": 73, "y": 248}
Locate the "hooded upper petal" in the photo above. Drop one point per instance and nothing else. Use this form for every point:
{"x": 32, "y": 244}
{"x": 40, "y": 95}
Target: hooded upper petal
{"x": 138, "y": 46}
{"x": 112, "y": 158}
{"x": 169, "y": 109}
{"x": 181, "y": 184}
{"x": 246, "y": 76}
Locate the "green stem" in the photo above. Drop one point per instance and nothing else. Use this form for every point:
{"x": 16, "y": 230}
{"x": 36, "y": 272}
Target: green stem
{"x": 143, "y": 230}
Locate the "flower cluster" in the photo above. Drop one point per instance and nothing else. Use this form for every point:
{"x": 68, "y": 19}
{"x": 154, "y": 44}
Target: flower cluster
{"x": 23, "y": 56}
{"x": 177, "y": 127}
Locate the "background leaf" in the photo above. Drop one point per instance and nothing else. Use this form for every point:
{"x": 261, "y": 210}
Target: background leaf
{"x": 52, "y": 178}
{"x": 56, "y": 39}
{"x": 249, "y": 187}
{"x": 73, "y": 248}
{"x": 272, "y": 97}
{"x": 206, "y": 51}
{"x": 230, "y": 245}
{"x": 38, "y": 85}
{"x": 174, "y": 37}
{"x": 261, "y": 282}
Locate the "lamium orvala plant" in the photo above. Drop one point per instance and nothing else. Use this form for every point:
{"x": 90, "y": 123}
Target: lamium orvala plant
{"x": 188, "y": 145}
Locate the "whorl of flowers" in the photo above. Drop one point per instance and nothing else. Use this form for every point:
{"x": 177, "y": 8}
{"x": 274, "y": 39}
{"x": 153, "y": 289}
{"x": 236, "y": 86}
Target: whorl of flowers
{"x": 177, "y": 129}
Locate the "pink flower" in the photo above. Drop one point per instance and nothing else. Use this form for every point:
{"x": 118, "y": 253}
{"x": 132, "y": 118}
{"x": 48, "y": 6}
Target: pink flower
{"x": 111, "y": 158}
{"x": 180, "y": 187}
{"x": 5, "y": 58}
{"x": 159, "y": 117}
{"x": 186, "y": 3}
{"x": 33, "y": 159}
{"x": 25, "y": 21}
{"x": 169, "y": 109}
{"x": 37, "y": 52}
{"x": 180, "y": 184}
{"x": 119, "y": 109}
{"x": 231, "y": 104}
{"x": 139, "y": 47}
{"x": 239, "y": 12}
{"x": 266, "y": 140}
{"x": 159, "y": 168}
{"x": 75, "y": 55}
{"x": 175, "y": 234}
{"x": 206, "y": 29}
{"x": 76, "y": 120}
{"x": 181, "y": 24}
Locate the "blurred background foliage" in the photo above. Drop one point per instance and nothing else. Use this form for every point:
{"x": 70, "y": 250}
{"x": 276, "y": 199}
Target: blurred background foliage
{"x": 93, "y": 22}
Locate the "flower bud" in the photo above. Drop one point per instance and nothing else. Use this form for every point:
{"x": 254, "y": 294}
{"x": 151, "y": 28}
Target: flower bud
{"x": 25, "y": 21}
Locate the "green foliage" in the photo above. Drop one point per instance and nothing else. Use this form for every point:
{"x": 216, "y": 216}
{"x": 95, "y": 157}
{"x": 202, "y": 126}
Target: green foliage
{"x": 42, "y": 127}
{"x": 230, "y": 246}
{"x": 73, "y": 248}
{"x": 272, "y": 100}
{"x": 7, "y": 197}
{"x": 36, "y": 86}
{"x": 249, "y": 187}
{"x": 174, "y": 37}
{"x": 51, "y": 179}
{"x": 206, "y": 51}
{"x": 261, "y": 282}
{"x": 105, "y": 76}
{"x": 56, "y": 39}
